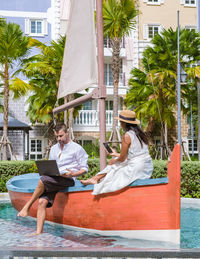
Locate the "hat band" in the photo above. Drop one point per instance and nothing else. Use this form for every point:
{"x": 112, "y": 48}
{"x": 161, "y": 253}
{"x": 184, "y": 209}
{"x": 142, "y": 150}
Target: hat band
{"x": 125, "y": 118}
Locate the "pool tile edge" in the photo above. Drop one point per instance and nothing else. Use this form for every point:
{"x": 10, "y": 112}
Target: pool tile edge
{"x": 4, "y": 196}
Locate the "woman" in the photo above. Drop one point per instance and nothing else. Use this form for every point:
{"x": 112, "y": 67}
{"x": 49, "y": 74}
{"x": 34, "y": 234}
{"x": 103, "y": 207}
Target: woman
{"x": 133, "y": 162}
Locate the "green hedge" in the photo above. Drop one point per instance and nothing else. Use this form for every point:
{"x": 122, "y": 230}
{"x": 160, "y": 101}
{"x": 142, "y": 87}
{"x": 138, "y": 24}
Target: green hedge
{"x": 8, "y": 169}
{"x": 190, "y": 176}
{"x": 190, "y": 179}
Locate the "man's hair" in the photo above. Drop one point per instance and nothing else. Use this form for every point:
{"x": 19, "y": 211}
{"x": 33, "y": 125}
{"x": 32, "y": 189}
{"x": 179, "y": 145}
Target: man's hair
{"x": 60, "y": 126}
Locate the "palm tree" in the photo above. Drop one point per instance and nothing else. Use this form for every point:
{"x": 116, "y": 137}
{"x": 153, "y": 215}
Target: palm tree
{"x": 43, "y": 71}
{"x": 193, "y": 74}
{"x": 14, "y": 46}
{"x": 118, "y": 21}
{"x": 2, "y": 22}
{"x": 153, "y": 88}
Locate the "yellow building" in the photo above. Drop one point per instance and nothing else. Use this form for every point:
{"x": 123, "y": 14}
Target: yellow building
{"x": 154, "y": 16}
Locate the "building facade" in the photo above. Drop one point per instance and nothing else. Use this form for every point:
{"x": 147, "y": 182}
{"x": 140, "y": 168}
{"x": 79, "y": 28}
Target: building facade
{"x": 47, "y": 19}
{"x": 156, "y": 15}
{"x": 36, "y": 19}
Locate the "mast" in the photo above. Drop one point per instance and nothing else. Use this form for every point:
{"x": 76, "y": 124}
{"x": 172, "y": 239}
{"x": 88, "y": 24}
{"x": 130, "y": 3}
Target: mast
{"x": 178, "y": 85}
{"x": 101, "y": 84}
{"x": 100, "y": 91}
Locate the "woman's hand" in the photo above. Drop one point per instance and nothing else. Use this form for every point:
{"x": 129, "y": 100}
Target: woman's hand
{"x": 114, "y": 153}
{"x": 112, "y": 161}
{"x": 126, "y": 142}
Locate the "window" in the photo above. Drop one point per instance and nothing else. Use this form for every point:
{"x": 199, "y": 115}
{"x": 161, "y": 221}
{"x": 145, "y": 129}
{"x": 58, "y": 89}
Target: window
{"x": 109, "y": 105}
{"x": 195, "y": 145}
{"x": 154, "y": 2}
{"x": 36, "y": 27}
{"x": 87, "y": 105}
{"x": 35, "y": 149}
{"x": 195, "y": 130}
{"x": 188, "y": 2}
{"x": 190, "y": 28}
{"x": 107, "y": 43}
{"x": 150, "y": 30}
{"x": 157, "y": 141}
{"x": 108, "y": 75}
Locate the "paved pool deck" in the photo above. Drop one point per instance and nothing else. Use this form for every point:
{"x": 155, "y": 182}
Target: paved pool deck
{"x": 96, "y": 253}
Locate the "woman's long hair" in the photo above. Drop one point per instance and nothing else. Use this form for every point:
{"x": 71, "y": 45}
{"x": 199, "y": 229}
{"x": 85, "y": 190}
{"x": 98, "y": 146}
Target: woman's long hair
{"x": 142, "y": 137}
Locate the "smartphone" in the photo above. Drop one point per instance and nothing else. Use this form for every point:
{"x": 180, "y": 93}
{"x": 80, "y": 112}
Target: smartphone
{"x": 107, "y": 147}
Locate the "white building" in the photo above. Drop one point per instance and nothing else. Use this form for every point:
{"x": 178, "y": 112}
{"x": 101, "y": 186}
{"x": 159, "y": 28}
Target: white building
{"x": 47, "y": 19}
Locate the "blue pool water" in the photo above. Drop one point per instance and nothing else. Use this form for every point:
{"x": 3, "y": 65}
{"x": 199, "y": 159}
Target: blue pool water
{"x": 14, "y": 233}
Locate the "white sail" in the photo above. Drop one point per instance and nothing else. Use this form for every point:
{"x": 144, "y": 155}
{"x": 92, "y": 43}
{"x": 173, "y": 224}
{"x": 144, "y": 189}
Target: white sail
{"x": 79, "y": 70}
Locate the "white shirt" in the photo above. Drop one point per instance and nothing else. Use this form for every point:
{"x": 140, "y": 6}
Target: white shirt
{"x": 72, "y": 157}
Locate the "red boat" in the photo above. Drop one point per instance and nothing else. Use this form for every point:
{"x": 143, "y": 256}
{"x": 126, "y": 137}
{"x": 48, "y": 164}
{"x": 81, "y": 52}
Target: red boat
{"x": 147, "y": 209}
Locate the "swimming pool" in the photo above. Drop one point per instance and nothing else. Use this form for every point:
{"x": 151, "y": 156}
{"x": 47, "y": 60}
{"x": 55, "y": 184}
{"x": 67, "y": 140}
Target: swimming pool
{"x": 14, "y": 232}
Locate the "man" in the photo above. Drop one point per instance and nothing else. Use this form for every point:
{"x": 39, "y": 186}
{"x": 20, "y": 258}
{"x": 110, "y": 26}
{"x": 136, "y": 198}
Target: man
{"x": 72, "y": 162}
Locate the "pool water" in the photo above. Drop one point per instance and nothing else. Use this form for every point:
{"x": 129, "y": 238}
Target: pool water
{"x": 190, "y": 227}
{"x": 14, "y": 232}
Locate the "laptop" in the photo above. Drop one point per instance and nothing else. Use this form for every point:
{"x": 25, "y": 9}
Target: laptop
{"x": 47, "y": 167}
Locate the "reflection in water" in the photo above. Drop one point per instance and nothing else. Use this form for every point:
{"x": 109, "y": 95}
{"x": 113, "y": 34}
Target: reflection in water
{"x": 14, "y": 232}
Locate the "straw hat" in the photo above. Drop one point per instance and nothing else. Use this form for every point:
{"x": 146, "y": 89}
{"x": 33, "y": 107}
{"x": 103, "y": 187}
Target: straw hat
{"x": 128, "y": 117}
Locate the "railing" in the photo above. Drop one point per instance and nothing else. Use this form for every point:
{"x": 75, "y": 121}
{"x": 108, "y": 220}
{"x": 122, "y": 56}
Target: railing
{"x": 91, "y": 118}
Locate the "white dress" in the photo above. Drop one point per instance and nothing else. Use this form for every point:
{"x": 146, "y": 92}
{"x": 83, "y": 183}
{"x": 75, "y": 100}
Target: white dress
{"x": 138, "y": 165}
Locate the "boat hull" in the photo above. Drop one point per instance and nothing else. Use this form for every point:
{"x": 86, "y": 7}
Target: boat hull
{"x": 150, "y": 212}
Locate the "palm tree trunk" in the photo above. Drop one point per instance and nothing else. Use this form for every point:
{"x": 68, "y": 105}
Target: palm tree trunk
{"x": 166, "y": 140}
{"x": 151, "y": 124}
{"x": 51, "y": 139}
{"x": 65, "y": 112}
{"x": 69, "y": 121}
{"x": 71, "y": 118}
{"x": 162, "y": 144}
{"x": 115, "y": 72}
{"x": 5, "y": 118}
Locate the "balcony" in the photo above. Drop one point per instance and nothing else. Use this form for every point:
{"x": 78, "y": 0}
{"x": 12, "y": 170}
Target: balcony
{"x": 88, "y": 120}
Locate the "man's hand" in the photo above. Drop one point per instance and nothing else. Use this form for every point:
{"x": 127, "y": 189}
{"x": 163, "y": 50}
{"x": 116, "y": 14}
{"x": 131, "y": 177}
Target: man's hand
{"x": 69, "y": 174}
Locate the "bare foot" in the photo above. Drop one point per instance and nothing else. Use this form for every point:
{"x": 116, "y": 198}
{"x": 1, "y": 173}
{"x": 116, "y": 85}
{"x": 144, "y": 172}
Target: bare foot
{"x": 89, "y": 181}
{"x": 23, "y": 213}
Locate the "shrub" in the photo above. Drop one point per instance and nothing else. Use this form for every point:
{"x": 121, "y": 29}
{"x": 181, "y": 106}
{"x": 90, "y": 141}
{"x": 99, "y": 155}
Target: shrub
{"x": 92, "y": 149}
{"x": 190, "y": 173}
{"x": 94, "y": 168}
{"x": 190, "y": 179}
{"x": 8, "y": 169}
